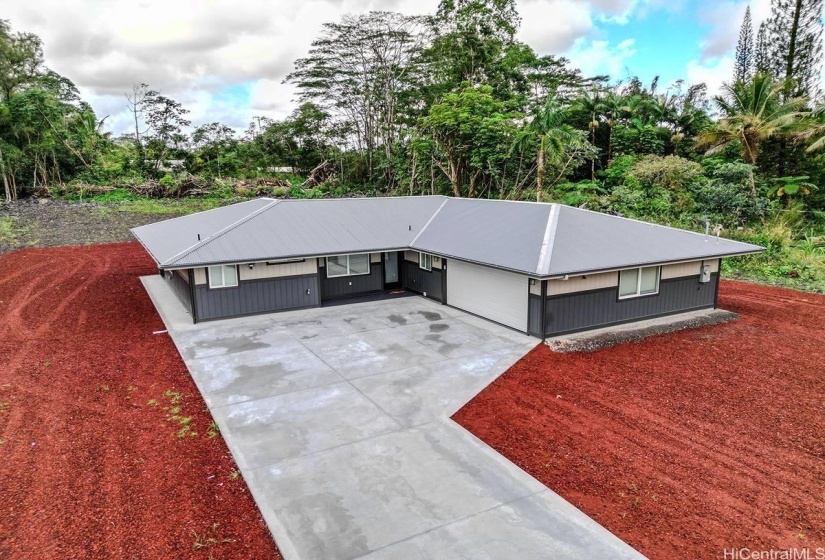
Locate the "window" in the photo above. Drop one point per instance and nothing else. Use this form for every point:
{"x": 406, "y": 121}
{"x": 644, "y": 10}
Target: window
{"x": 348, "y": 265}
{"x": 225, "y": 276}
{"x": 425, "y": 261}
{"x": 636, "y": 282}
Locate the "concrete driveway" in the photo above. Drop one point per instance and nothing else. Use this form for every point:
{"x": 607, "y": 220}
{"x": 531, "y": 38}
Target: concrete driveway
{"x": 338, "y": 419}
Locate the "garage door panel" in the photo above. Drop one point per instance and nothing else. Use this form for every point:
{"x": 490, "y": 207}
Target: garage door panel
{"x": 491, "y": 293}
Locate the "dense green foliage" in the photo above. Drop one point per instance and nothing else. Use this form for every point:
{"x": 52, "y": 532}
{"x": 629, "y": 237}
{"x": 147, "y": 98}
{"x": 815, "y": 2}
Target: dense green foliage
{"x": 453, "y": 103}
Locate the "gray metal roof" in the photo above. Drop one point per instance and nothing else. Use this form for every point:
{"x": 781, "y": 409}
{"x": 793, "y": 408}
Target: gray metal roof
{"x": 585, "y": 241}
{"x": 168, "y": 238}
{"x": 299, "y": 228}
{"x": 541, "y": 240}
{"x": 497, "y": 232}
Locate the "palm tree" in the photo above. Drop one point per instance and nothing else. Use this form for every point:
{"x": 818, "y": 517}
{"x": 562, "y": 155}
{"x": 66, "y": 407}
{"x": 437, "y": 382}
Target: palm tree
{"x": 591, "y": 103}
{"x": 548, "y": 129}
{"x": 752, "y": 112}
{"x": 816, "y": 129}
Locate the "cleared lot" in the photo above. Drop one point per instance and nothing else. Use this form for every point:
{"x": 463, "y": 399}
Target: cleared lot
{"x": 684, "y": 444}
{"x": 92, "y": 405}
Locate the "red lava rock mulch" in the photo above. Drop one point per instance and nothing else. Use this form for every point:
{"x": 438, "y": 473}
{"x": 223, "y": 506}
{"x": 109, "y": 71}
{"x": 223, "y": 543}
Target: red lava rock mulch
{"x": 91, "y": 465}
{"x": 684, "y": 444}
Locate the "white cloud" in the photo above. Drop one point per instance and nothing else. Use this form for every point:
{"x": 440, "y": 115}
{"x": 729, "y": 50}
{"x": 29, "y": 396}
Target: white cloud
{"x": 552, "y": 26}
{"x": 725, "y": 19}
{"x": 713, "y": 72}
{"x": 195, "y": 51}
{"x": 596, "y": 57}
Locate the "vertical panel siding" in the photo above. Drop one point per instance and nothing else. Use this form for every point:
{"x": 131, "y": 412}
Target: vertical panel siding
{"x": 257, "y": 296}
{"x": 598, "y": 308}
{"x": 419, "y": 280}
{"x": 343, "y": 286}
{"x": 180, "y": 287}
{"x": 534, "y": 314}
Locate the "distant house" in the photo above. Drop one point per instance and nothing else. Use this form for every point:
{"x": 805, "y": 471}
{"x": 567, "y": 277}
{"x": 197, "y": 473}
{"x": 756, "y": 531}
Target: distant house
{"x": 543, "y": 269}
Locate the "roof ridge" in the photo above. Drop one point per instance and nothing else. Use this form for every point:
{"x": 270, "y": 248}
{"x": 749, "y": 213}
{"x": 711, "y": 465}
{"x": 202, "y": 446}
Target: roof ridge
{"x": 546, "y": 251}
{"x": 682, "y": 230}
{"x": 341, "y": 199}
{"x": 233, "y": 225}
{"x": 424, "y": 227}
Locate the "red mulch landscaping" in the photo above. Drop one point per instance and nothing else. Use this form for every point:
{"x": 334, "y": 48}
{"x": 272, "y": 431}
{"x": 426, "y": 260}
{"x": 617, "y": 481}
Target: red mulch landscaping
{"x": 684, "y": 444}
{"x": 91, "y": 466}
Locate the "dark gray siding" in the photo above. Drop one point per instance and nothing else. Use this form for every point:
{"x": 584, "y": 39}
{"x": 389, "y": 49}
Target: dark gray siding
{"x": 343, "y": 286}
{"x": 419, "y": 280}
{"x": 180, "y": 286}
{"x": 534, "y": 314}
{"x": 257, "y": 296}
{"x": 598, "y": 308}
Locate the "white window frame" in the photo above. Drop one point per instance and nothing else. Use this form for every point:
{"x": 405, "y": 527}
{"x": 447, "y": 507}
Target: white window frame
{"x": 425, "y": 261}
{"x": 639, "y": 282}
{"x": 223, "y": 283}
{"x": 349, "y": 271}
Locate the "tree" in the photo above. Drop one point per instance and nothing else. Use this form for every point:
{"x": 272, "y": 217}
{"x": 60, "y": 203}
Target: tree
{"x": 590, "y": 102}
{"x": 795, "y": 35}
{"x": 359, "y": 70}
{"x": 472, "y": 38}
{"x": 752, "y": 112}
{"x": 744, "y": 61}
{"x": 21, "y": 60}
{"x": 762, "y": 54}
{"x": 469, "y": 132}
{"x": 166, "y": 120}
{"x": 557, "y": 143}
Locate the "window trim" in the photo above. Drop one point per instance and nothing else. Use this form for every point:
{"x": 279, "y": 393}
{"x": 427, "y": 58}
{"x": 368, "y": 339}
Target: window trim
{"x": 421, "y": 259}
{"x": 349, "y": 268}
{"x": 638, "y": 292}
{"x": 223, "y": 276}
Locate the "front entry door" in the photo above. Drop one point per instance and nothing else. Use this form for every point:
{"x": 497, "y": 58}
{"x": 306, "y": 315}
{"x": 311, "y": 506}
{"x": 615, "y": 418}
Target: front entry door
{"x": 392, "y": 275}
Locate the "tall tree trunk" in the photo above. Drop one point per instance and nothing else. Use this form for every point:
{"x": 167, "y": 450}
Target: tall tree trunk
{"x": 789, "y": 63}
{"x": 432, "y": 176}
{"x": 6, "y": 185}
{"x": 593, "y": 143}
{"x": 539, "y": 171}
{"x": 454, "y": 179}
{"x": 412, "y": 173}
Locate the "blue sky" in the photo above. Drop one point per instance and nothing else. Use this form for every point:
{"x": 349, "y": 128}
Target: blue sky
{"x": 225, "y": 60}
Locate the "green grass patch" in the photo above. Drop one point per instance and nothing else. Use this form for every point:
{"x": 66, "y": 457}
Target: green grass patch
{"x": 177, "y": 206}
{"x": 8, "y": 233}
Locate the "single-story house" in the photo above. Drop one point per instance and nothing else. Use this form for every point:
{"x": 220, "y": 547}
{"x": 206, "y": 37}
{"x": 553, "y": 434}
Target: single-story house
{"x": 543, "y": 269}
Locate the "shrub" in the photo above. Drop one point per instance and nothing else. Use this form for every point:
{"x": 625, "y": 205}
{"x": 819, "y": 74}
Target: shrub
{"x": 671, "y": 172}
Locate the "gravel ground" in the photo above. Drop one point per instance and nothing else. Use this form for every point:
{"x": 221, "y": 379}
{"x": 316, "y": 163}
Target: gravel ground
{"x": 50, "y": 223}
{"x": 107, "y": 448}
{"x": 683, "y": 444}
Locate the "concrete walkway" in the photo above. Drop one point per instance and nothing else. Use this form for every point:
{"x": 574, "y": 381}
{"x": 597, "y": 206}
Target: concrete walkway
{"x": 338, "y": 419}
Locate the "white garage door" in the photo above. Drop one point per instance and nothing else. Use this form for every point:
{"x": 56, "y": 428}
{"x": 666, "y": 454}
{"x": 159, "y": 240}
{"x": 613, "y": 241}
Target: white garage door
{"x": 491, "y": 293}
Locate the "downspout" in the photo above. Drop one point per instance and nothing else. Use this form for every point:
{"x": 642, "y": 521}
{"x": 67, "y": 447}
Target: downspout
{"x": 192, "y": 298}
{"x": 718, "y": 281}
{"x": 443, "y": 281}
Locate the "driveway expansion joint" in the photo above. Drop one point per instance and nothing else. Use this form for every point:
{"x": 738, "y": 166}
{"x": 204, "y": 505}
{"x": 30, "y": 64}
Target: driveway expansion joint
{"x": 339, "y": 424}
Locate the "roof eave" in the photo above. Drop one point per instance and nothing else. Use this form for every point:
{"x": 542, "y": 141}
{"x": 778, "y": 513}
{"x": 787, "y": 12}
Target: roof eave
{"x": 562, "y": 274}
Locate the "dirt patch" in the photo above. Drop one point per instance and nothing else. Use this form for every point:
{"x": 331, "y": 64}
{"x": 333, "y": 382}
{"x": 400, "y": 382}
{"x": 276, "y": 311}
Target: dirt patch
{"x": 107, "y": 448}
{"x": 51, "y": 223}
{"x": 683, "y": 444}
